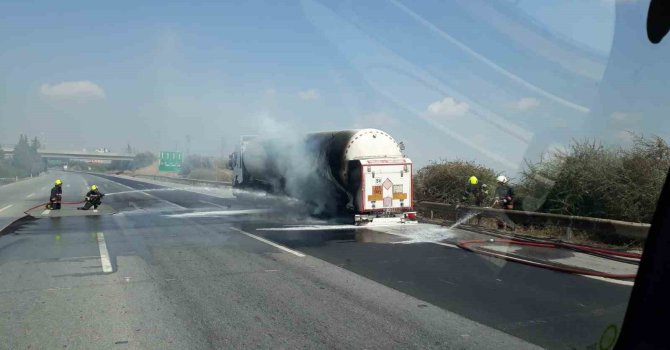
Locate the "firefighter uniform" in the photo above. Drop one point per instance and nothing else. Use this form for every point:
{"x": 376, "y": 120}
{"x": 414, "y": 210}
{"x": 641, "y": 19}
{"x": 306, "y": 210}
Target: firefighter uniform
{"x": 93, "y": 198}
{"x": 56, "y": 196}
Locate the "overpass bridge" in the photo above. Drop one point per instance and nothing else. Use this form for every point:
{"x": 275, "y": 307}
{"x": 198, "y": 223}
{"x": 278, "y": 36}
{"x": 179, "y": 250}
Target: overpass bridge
{"x": 74, "y": 155}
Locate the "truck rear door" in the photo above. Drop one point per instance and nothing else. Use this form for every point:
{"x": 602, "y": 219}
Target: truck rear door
{"x": 386, "y": 185}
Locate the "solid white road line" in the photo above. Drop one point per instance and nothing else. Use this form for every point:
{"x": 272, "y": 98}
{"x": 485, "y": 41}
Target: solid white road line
{"x": 6, "y": 207}
{"x": 30, "y": 195}
{"x": 104, "y": 253}
{"x": 288, "y": 250}
{"x": 46, "y": 212}
{"x": 611, "y": 280}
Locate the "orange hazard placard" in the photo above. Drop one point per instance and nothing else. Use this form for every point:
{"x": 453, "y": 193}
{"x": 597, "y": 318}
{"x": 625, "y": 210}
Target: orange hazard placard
{"x": 377, "y": 190}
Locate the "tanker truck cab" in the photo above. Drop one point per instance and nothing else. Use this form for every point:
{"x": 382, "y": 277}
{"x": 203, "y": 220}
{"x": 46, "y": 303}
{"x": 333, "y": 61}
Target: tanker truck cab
{"x": 385, "y": 194}
{"x": 237, "y": 163}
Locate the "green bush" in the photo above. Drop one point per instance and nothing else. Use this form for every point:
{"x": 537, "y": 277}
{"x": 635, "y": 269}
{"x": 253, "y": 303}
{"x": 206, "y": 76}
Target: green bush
{"x": 586, "y": 179}
{"x": 445, "y": 181}
{"x": 589, "y": 179}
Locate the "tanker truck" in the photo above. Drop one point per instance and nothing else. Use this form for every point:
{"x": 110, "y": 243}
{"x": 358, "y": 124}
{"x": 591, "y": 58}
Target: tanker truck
{"x": 362, "y": 173}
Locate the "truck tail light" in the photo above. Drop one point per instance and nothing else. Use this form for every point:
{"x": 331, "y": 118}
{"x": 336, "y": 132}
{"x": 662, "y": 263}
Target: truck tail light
{"x": 411, "y": 215}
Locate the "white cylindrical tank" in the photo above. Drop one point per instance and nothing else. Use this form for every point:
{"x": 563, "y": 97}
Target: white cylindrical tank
{"x": 269, "y": 160}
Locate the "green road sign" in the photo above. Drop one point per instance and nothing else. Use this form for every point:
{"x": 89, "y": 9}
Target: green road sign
{"x": 169, "y": 161}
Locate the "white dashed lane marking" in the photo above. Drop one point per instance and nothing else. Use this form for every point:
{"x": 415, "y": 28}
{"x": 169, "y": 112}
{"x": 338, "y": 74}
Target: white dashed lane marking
{"x": 278, "y": 246}
{"x": 104, "y": 253}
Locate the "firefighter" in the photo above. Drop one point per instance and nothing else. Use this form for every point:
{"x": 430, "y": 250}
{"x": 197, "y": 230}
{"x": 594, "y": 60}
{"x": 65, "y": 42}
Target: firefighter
{"x": 475, "y": 189}
{"x": 56, "y": 195}
{"x": 504, "y": 197}
{"x": 93, "y": 198}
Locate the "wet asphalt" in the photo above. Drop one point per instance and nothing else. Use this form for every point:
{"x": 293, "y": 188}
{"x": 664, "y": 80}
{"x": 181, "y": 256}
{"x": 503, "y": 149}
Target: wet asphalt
{"x": 183, "y": 280}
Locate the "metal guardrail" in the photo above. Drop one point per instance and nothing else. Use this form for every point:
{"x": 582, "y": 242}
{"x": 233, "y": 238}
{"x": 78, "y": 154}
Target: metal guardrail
{"x": 609, "y": 229}
{"x": 186, "y": 181}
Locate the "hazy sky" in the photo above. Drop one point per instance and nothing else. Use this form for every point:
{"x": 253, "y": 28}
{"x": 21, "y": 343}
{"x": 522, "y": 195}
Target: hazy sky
{"x": 488, "y": 80}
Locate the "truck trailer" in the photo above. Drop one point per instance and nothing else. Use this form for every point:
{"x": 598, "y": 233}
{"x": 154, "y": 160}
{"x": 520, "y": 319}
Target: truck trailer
{"x": 359, "y": 172}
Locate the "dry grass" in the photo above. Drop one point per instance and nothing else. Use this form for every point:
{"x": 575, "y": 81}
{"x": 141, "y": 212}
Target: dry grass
{"x": 211, "y": 174}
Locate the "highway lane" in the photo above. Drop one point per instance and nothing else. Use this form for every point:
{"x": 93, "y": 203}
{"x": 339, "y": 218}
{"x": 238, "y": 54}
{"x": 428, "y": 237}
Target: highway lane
{"x": 555, "y": 310}
{"x": 19, "y": 196}
{"x": 183, "y": 282}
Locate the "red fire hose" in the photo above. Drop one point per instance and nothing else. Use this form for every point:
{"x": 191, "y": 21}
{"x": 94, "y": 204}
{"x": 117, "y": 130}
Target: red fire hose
{"x": 467, "y": 246}
{"x": 572, "y": 246}
{"x": 43, "y": 204}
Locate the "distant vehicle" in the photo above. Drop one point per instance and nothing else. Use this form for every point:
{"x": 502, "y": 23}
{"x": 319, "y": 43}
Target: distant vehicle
{"x": 362, "y": 172}
{"x": 64, "y": 167}
{"x": 102, "y": 150}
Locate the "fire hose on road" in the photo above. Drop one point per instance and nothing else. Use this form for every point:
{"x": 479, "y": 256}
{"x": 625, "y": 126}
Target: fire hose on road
{"x": 475, "y": 246}
{"x": 44, "y": 204}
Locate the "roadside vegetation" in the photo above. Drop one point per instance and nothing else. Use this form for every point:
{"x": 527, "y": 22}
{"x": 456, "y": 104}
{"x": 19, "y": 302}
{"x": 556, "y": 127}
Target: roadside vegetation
{"x": 586, "y": 179}
{"x": 445, "y": 181}
{"x": 205, "y": 168}
{"x": 25, "y": 162}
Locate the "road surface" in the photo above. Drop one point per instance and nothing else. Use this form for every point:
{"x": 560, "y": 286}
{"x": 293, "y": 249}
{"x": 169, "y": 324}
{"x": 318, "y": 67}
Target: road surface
{"x": 160, "y": 267}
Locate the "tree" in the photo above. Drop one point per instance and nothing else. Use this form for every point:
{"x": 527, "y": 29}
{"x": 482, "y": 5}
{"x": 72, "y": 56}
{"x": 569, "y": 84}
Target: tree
{"x": 120, "y": 165}
{"x": 35, "y": 144}
{"x": 22, "y": 159}
{"x": 26, "y": 159}
{"x": 195, "y": 161}
{"x": 143, "y": 159}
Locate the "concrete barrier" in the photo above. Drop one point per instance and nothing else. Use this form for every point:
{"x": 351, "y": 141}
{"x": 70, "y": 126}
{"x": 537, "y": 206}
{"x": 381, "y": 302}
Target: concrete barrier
{"x": 608, "y": 229}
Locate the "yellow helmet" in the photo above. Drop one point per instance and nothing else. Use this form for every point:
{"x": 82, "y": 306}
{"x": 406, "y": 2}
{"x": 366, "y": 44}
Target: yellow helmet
{"x": 58, "y": 182}
{"x": 473, "y": 180}
{"x": 94, "y": 187}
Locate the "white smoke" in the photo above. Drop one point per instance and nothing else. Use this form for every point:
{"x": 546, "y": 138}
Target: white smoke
{"x": 303, "y": 168}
